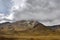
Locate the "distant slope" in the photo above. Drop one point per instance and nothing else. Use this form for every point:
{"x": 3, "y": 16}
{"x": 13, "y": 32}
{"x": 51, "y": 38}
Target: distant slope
{"x": 27, "y": 28}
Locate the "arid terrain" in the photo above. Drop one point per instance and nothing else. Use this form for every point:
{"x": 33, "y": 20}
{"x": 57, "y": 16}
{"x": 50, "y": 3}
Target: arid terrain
{"x": 28, "y": 30}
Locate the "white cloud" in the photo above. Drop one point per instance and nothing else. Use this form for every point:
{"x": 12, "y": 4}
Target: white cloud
{"x": 1, "y": 16}
{"x": 46, "y": 12}
{"x": 10, "y": 17}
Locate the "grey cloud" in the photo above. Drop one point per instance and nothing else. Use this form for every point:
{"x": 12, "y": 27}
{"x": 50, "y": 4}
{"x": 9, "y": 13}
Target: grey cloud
{"x": 46, "y": 12}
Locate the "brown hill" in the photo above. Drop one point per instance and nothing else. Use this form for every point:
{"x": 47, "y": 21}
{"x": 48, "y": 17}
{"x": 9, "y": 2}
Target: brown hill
{"x": 27, "y": 28}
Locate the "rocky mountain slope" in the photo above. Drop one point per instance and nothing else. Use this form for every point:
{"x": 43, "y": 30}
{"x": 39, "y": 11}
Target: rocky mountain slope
{"x": 28, "y": 28}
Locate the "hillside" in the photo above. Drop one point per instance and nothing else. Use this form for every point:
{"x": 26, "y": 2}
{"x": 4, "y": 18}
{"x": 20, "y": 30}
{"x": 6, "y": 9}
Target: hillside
{"x": 27, "y": 28}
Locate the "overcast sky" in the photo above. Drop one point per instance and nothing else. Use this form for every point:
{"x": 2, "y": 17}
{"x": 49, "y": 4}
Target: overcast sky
{"x": 46, "y": 12}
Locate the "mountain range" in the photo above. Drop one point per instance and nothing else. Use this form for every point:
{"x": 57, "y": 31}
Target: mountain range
{"x": 27, "y": 28}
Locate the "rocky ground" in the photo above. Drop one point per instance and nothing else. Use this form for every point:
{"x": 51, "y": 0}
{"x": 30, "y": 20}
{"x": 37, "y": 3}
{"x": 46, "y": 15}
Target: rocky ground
{"x": 28, "y": 30}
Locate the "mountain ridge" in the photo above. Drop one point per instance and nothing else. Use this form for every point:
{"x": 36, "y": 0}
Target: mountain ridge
{"x": 27, "y": 27}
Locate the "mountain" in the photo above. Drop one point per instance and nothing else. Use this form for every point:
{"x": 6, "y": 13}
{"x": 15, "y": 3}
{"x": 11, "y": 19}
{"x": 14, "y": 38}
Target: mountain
{"x": 21, "y": 28}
